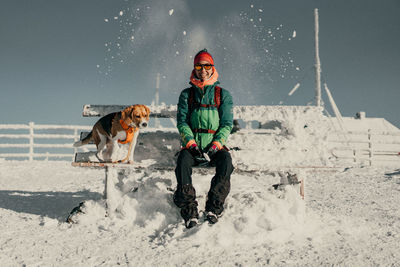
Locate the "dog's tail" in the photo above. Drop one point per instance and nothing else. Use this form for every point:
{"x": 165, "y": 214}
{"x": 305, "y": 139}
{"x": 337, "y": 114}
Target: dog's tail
{"x": 84, "y": 141}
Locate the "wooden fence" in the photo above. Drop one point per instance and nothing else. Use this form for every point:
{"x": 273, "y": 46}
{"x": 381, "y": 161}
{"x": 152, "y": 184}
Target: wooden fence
{"x": 55, "y": 141}
{"x": 41, "y": 141}
{"x": 373, "y": 147}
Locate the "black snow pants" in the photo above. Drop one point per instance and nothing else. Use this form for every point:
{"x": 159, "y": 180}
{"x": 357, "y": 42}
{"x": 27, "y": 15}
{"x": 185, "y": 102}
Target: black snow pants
{"x": 185, "y": 194}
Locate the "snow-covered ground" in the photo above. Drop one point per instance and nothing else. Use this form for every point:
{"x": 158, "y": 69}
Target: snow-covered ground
{"x": 349, "y": 217}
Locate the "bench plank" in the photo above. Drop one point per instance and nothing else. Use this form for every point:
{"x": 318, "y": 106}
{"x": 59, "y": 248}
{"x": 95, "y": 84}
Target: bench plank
{"x": 261, "y": 113}
{"x": 102, "y": 110}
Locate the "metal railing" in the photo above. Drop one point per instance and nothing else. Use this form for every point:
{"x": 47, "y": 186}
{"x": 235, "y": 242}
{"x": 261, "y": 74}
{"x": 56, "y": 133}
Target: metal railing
{"x": 32, "y": 137}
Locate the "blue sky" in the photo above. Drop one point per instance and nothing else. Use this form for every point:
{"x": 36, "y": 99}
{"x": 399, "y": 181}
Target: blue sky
{"x": 58, "y": 55}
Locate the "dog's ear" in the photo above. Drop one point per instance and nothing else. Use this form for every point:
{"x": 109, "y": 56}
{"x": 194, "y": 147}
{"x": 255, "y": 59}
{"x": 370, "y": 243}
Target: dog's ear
{"x": 147, "y": 110}
{"x": 127, "y": 113}
{"x": 131, "y": 112}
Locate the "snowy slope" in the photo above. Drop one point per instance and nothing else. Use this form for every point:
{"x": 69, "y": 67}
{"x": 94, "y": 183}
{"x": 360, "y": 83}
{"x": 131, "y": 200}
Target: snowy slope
{"x": 349, "y": 217}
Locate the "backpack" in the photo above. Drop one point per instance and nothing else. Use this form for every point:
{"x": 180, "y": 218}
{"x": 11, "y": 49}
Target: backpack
{"x": 192, "y": 105}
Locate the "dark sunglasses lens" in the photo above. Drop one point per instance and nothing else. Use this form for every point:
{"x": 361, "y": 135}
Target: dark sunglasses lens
{"x": 206, "y": 67}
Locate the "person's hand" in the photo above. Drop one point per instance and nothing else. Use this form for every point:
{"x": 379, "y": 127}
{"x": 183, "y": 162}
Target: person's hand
{"x": 211, "y": 152}
{"x": 195, "y": 151}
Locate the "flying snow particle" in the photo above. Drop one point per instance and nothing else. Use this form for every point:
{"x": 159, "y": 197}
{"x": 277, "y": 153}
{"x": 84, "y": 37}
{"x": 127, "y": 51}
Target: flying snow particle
{"x": 98, "y": 66}
{"x": 294, "y": 89}
{"x": 115, "y": 18}
{"x": 106, "y": 20}
{"x": 177, "y": 52}
{"x": 121, "y": 13}
{"x": 251, "y": 6}
{"x": 132, "y": 38}
{"x": 184, "y": 32}
{"x": 297, "y": 68}
{"x": 294, "y": 34}
{"x": 260, "y": 10}
{"x": 171, "y": 11}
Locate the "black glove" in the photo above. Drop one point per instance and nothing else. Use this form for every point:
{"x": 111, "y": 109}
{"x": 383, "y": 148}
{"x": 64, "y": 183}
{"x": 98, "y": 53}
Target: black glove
{"x": 211, "y": 152}
{"x": 195, "y": 151}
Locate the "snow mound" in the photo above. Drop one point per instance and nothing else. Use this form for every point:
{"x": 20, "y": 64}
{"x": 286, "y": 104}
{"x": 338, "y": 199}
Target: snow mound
{"x": 289, "y": 136}
{"x": 143, "y": 201}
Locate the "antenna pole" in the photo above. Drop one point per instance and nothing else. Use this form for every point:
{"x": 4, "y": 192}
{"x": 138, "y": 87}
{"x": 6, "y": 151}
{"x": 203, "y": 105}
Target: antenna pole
{"x": 317, "y": 62}
{"x": 157, "y": 96}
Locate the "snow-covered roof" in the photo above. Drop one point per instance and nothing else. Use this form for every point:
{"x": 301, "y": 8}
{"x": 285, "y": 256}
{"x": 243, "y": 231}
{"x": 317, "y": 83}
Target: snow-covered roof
{"x": 364, "y": 124}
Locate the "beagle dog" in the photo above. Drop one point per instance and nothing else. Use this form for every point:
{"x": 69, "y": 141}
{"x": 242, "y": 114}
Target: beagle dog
{"x": 118, "y": 127}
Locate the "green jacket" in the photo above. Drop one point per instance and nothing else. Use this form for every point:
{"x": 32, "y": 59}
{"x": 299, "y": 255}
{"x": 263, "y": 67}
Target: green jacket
{"x": 219, "y": 120}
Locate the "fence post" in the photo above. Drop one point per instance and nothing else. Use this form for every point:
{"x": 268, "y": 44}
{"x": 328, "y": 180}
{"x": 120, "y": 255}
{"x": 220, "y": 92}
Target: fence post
{"x": 75, "y": 139}
{"x": 31, "y": 134}
{"x": 370, "y": 147}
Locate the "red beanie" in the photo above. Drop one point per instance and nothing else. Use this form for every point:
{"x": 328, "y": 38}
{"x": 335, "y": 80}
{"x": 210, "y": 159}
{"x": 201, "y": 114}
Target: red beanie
{"x": 203, "y": 55}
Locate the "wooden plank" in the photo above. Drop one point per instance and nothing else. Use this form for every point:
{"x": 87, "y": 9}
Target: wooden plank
{"x": 102, "y": 110}
{"x": 94, "y": 163}
{"x": 103, "y": 165}
{"x": 245, "y": 113}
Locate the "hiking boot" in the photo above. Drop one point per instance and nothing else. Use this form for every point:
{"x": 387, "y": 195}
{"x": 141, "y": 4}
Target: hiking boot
{"x": 191, "y": 223}
{"x": 211, "y": 217}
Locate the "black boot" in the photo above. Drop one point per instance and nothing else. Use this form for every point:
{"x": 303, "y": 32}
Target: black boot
{"x": 185, "y": 199}
{"x": 211, "y": 217}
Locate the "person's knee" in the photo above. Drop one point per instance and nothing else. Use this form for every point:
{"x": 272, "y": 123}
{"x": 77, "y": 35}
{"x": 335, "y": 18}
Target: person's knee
{"x": 224, "y": 160}
{"x": 185, "y": 158}
{"x": 224, "y": 156}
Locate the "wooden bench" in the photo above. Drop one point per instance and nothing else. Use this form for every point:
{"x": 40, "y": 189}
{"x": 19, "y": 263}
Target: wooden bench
{"x": 162, "y": 144}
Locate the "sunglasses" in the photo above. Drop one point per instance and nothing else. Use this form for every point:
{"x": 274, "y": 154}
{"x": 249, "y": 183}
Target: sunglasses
{"x": 205, "y": 66}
